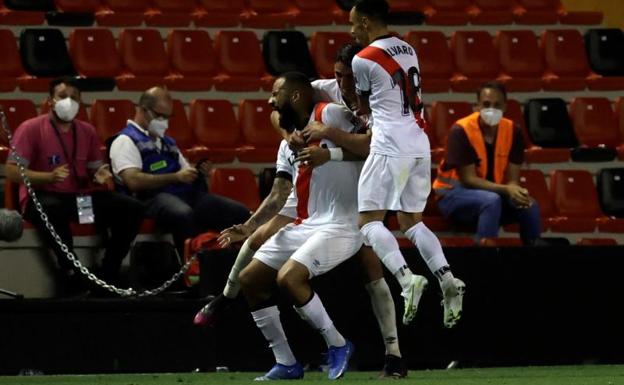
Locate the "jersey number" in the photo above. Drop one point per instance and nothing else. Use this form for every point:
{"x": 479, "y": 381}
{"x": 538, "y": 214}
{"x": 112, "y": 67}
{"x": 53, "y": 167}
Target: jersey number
{"x": 410, "y": 92}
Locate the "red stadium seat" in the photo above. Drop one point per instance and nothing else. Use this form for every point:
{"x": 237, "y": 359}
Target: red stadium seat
{"x": 241, "y": 62}
{"x": 236, "y": 183}
{"x": 567, "y": 65}
{"x": 193, "y": 60}
{"x": 219, "y": 13}
{"x": 16, "y": 111}
{"x": 14, "y": 17}
{"x": 475, "y": 58}
{"x": 315, "y": 12}
{"x": 593, "y": 122}
{"x": 534, "y": 181}
{"x": 11, "y": 65}
{"x": 619, "y": 117}
{"x": 323, "y": 48}
{"x": 500, "y": 242}
{"x": 110, "y": 116}
{"x": 121, "y": 13}
{"x": 179, "y": 127}
{"x": 144, "y": 59}
{"x": 216, "y": 129}
{"x": 260, "y": 140}
{"x": 89, "y": 6}
{"x": 597, "y": 242}
{"x": 447, "y": 12}
{"x": 457, "y": 242}
{"x": 487, "y": 12}
{"x": 272, "y": 14}
{"x": 93, "y": 52}
{"x": 521, "y": 60}
{"x": 444, "y": 115}
{"x": 407, "y": 5}
{"x": 434, "y": 57}
{"x": 170, "y": 13}
{"x": 536, "y": 11}
{"x": 577, "y": 204}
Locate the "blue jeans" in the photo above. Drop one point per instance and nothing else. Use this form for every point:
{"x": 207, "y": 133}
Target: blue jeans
{"x": 489, "y": 210}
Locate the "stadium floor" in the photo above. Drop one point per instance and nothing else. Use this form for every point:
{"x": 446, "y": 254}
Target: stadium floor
{"x": 551, "y": 375}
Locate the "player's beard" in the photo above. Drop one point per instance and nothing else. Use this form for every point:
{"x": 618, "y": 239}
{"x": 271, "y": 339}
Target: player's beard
{"x": 288, "y": 117}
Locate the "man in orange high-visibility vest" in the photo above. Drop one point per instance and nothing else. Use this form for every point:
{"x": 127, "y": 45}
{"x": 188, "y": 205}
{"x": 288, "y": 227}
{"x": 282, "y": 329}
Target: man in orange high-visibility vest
{"x": 478, "y": 180}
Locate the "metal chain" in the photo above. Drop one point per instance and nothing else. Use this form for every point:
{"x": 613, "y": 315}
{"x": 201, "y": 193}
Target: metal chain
{"x": 130, "y": 292}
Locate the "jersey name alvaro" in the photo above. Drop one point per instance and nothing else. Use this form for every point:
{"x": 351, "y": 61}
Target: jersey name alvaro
{"x": 328, "y": 193}
{"x": 387, "y": 70}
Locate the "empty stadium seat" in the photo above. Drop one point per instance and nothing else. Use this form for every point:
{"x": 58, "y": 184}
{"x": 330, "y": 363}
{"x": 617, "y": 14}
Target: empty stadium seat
{"x": 475, "y": 59}
{"x": 548, "y": 123}
{"x": 236, "y": 183}
{"x": 597, "y": 242}
{"x": 443, "y": 116}
{"x": 610, "y": 184}
{"x": 521, "y": 60}
{"x": 447, "y": 12}
{"x": 500, "y": 242}
{"x": 179, "y": 127}
{"x": 594, "y": 125}
{"x": 144, "y": 59}
{"x": 487, "y": 12}
{"x": 605, "y": 51}
{"x": 93, "y": 52}
{"x": 536, "y": 11}
{"x": 323, "y": 47}
{"x": 11, "y": 64}
{"x": 44, "y": 56}
{"x": 534, "y": 181}
{"x": 77, "y": 5}
{"x": 578, "y": 17}
{"x": 567, "y": 66}
{"x": 315, "y": 12}
{"x": 193, "y": 60}
{"x": 619, "y": 117}
{"x": 110, "y": 116}
{"x": 216, "y": 129}
{"x": 169, "y": 13}
{"x": 16, "y": 111}
{"x": 13, "y": 16}
{"x": 260, "y": 140}
{"x": 241, "y": 63}
{"x": 272, "y": 14}
{"x": 576, "y": 200}
{"x": 434, "y": 58}
{"x": 121, "y": 13}
{"x": 286, "y": 51}
{"x": 219, "y": 13}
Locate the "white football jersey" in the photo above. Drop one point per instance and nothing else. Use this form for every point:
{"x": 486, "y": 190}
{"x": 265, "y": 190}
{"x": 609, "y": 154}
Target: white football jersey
{"x": 388, "y": 71}
{"x": 327, "y": 90}
{"x": 286, "y": 163}
{"x": 328, "y": 193}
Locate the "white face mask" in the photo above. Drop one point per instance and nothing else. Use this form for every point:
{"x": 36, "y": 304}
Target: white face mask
{"x": 491, "y": 116}
{"x": 158, "y": 127}
{"x": 66, "y": 109}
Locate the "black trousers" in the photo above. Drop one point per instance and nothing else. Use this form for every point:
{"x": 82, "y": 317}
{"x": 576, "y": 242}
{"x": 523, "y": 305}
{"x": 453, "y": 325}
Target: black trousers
{"x": 118, "y": 214}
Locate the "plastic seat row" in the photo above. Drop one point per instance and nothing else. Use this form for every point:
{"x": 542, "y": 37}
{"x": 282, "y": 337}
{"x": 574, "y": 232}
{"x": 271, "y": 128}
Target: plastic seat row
{"x": 550, "y": 130}
{"x": 175, "y": 13}
{"x": 211, "y": 129}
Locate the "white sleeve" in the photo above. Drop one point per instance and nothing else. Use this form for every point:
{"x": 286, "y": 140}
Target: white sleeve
{"x": 340, "y": 117}
{"x": 183, "y": 162}
{"x": 361, "y": 73}
{"x": 124, "y": 154}
{"x": 282, "y": 164}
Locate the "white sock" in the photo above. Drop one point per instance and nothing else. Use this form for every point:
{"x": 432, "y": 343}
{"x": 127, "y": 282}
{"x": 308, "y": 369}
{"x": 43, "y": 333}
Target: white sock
{"x": 383, "y": 307}
{"x": 315, "y": 314}
{"x": 429, "y": 247}
{"x": 386, "y": 247}
{"x": 268, "y": 321}
{"x": 232, "y": 286}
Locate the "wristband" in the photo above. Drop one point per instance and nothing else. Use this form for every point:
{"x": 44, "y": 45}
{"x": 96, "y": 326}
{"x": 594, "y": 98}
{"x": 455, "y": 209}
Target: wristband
{"x": 335, "y": 153}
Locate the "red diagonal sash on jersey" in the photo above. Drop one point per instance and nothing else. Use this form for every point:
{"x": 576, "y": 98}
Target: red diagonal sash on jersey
{"x": 383, "y": 58}
{"x": 304, "y": 175}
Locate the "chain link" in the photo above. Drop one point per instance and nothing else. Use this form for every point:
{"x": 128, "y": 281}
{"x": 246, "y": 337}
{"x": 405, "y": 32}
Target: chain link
{"x": 130, "y": 292}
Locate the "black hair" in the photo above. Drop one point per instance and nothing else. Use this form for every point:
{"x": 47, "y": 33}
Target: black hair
{"x": 67, "y": 80}
{"x": 297, "y": 80}
{"x": 346, "y": 53}
{"x": 492, "y": 85}
{"x": 375, "y": 9}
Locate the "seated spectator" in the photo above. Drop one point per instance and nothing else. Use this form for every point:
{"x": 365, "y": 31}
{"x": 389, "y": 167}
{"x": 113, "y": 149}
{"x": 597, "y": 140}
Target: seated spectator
{"x": 64, "y": 164}
{"x": 148, "y": 164}
{"x": 478, "y": 180}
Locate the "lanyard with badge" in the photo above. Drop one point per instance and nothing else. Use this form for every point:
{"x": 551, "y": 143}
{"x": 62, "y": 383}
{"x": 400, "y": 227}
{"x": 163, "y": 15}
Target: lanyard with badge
{"x": 84, "y": 202}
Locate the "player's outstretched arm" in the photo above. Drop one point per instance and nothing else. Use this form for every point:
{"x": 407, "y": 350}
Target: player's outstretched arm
{"x": 270, "y": 206}
{"x": 356, "y": 144}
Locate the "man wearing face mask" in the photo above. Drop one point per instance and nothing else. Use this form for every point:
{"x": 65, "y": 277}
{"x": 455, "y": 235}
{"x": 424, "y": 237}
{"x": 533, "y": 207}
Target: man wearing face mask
{"x": 64, "y": 164}
{"x": 148, "y": 164}
{"x": 479, "y": 178}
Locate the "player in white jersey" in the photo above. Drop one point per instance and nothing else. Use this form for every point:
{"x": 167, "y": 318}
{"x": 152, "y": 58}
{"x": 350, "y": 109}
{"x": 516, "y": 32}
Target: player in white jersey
{"x": 324, "y": 235}
{"x": 397, "y": 173}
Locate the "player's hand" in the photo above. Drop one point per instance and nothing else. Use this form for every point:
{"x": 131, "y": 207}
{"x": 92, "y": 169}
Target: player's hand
{"x": 315, "y": 131}
{"x": 519, "y": 196}
{"x": 186, "y": 175}
{"x": 59, "y": 174}
{"x": 103, "y": 176}
{"x": 234, "y": 234}
{"x": 313, "y": 156}
{"x": 296, "y": 141}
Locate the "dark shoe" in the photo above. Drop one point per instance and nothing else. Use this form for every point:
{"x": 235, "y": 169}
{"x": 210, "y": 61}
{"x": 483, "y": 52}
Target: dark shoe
{"x": 394, "y": 367}
{"x": 338, "y": 359}
{"x": 208, "y": 315}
